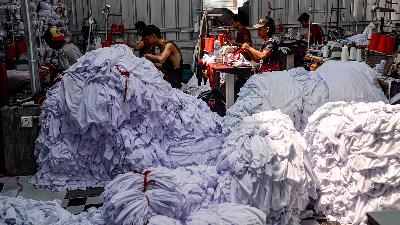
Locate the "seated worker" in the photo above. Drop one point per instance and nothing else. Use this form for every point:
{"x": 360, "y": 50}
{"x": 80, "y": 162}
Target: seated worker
{"x": 140, "y": 46}
{"x": 316, "y": 32}
{"x": 170, "y": 60}
{"x": 268, "y": 55}
{"x": 68, "y": 53}
{"x": 243, "y": 34}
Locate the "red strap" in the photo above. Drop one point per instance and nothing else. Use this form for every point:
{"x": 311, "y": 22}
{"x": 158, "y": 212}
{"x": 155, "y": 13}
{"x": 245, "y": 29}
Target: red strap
{"x": 125, "y": 74}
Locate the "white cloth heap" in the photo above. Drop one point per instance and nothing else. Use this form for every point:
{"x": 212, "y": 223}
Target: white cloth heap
{"x": 355, "y": 153}
{"x": 192, "y": 88}
{"x": 358, "y": 39}
{"x": 227, "y": 214}
{"x": 298, "y": 93}
{"x": 134, "y": 198}
{"x": 264, "y": 159}
{"x": 113, "y": 112}
{"x": 15, "y": 211}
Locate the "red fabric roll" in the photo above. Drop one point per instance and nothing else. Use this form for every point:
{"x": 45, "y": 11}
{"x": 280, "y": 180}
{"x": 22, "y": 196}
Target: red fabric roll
{"x": 373, "y": 44}
{"x": 382, "y": 44}
{"x": 390, "y": 45}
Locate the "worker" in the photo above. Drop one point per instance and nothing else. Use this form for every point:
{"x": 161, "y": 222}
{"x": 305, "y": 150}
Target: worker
{"x": 68, "y": 53}
{"x": 143, "y": 49}
{"x": 170, "y": 60}
{"x": 243, "y": 34}
{"x": 268, "y": 55}
{"x": 316, "y": 33}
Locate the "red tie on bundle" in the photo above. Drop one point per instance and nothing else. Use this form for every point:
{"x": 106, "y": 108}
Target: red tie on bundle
{"x": 125, "y": 74}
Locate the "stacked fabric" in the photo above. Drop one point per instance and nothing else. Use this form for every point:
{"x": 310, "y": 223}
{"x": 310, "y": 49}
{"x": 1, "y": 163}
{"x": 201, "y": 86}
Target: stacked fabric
{"x": 264, "y": 159}
{"x": 227, "y": 214}
{"x": 358, "y": 39}
{"x": 112, "y": 113}
{"x": 355, "y": 152}
{"x": 192, "y": 88}
{"x": 135, "y": 198}
{"x": 24, "y": 211}
{"x": 267, "y": 92}
{"x": 298, "y": 93}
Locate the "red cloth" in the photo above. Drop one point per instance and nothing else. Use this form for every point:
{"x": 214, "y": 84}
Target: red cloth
{"x": 244, "y": 36}
{"x": 317, "y": 34}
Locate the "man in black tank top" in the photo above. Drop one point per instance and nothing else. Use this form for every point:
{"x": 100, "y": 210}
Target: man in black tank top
{"x": 169, "y": 61}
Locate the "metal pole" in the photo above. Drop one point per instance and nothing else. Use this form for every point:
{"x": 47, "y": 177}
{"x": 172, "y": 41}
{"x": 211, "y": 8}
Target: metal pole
{"x": 32, "y": 50}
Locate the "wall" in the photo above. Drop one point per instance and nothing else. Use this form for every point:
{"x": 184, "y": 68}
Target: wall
{"x": 177, "y": 18}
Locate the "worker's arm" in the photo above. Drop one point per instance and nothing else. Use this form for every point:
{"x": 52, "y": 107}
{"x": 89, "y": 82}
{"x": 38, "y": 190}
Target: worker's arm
{"x": 136, "y": 46}
{"x": 255, "y": 54}
{"x": 160, "y": 58}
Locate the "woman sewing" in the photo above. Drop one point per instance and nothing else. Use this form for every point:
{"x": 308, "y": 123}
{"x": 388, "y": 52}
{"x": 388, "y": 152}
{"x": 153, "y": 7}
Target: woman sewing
{"x": 268, "y": 55}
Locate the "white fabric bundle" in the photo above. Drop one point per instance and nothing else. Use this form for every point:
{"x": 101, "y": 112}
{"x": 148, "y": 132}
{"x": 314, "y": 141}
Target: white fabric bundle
{"x": 358, "y": 39}
{"x": 267, "y": 92}
{"x": 355, "y": 152}
{"x": 227, "y": 214}
{"x": 298, "y": 93}
{"x": 264, "y": 157}
{"x": 134, "y": 198}
{"x": 113, "y": 112}
{"x": 192, "y": 88}
{"x": 25, "y": 211}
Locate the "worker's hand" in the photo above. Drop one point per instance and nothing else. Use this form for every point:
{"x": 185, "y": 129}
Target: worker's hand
{"x": 232, "y": 42}
{"x": 246, "y": 46}
{"x": 305, "y": 36}
{"x": 147, "y": 56}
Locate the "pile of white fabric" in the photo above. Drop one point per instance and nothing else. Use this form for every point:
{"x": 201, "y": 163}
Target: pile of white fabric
{"x": 298, "y": 93}
{"x": 263, "y": 159}
{"x": 134, "y": 198}
{"x": 25, "y": 211}
{"x": 355, "y": 152}
{"x": 227, "y": 214}
{"x": 192, "y": 88}
{"x": 112, "y": 113}
{"x": 267, "y": 92}
{"x": 358, "y": 39}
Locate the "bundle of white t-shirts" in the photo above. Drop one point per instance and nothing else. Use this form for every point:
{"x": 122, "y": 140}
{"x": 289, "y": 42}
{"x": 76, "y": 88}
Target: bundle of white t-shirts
{"x": 264, "y": 159}
{"x": 299, "y": 93}
{"x": 111, "y": 113}
{"x": 227, "y": 214}
{"x": 25, "y": 211}
{"x": 134, "y": 198}
{"x": 267, "y": 92}
{"x": 358, "y": 39}
{"x": 355, "y": 153}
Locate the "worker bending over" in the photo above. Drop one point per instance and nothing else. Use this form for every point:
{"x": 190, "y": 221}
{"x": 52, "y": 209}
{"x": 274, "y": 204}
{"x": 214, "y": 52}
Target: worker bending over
{"x": 68, "y": 53}
{"x": 316, "y": 32}
{"x": 243, "y": 34}
{"x": 143, "y": 49}
{"x": 170, "y": 60}
{"x": 268, "y": 55}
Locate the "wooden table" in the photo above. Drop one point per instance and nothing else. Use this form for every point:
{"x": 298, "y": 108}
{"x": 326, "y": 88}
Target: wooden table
{"x": 231, "y": 72}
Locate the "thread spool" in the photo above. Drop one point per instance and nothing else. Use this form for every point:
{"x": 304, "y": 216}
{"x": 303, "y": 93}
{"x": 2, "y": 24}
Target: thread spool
{"x": 326, "y": 52}
{"x": 359, "y": 55}
{"x": 221, "y": 39}
{"x": 209, "y": 45}
{"x": 373, "y": 44}
{"x": 353, "y": 53}
{"x": 390, "y": 45}
{"x": 345, "y": 53}
{"x": 382, "y": 46}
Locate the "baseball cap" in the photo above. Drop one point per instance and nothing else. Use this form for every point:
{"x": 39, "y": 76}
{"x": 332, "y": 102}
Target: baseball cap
{"x": 261, "y": 23}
